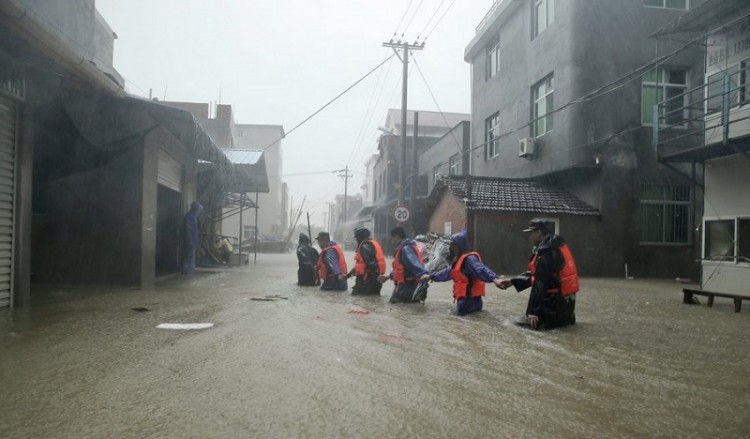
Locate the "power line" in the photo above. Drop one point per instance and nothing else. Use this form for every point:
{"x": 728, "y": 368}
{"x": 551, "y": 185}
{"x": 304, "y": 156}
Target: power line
{"x": 431, "y": 17}
{"x": 413, "y": 15}
{"x": 450, "y": 129}
{"x": 402, "y": 18}
{"x": 441, "y": 19}
{"x": 330, "y": 102}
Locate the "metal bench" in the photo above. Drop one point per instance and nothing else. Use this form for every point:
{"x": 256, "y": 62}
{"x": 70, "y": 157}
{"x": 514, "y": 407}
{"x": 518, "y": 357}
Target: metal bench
{"x": 688, "y": 297}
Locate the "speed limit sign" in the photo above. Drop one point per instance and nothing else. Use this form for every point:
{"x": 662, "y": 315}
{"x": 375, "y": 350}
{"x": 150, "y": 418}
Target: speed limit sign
{"x": 401, "y": 214}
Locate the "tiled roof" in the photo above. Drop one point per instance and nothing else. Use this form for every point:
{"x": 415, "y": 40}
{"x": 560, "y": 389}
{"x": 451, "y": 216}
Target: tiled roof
{"x": 515, "y": 195}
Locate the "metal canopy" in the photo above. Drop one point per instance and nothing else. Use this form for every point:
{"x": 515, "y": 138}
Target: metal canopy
{"x": 248, "y": 171}
{"x": 704, "y": 18}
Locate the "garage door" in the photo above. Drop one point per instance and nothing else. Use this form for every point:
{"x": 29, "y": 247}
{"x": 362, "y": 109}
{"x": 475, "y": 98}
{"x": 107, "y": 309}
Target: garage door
{"x": 7, "y": 191}
{"x": 170, "y": 172}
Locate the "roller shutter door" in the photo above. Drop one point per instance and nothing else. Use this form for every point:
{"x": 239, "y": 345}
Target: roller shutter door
{"x": 170, "y": 172}
{"x": 7, "y": 194}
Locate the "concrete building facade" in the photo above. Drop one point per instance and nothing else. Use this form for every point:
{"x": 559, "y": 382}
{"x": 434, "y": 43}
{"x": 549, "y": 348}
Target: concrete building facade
{"x": 562, "y": 93}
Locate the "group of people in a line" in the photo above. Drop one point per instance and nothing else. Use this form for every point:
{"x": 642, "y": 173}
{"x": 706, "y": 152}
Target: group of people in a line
{"x": 552, "y": 274}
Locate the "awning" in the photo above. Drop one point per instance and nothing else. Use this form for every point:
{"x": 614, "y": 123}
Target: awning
{"x": 106, "y": 122}
{"x": 248, "y": 172}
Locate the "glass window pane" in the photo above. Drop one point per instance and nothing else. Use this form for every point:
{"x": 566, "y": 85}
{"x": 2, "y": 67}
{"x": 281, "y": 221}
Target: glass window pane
{"x": 541, "y": 20}
{"x": 719, "y": 240}
{"x": 677, "y": 4}
{"x": 657, "y": 3}
{"x": 648, "y": 99}
{"x": 651, "y": 223}
{"x": 649, "y": 76}
{"x": 675, "y": 223}
{"x": 675, "y": 107}
{"x": 714, "y": 92}
{"x": 743, "y": 240}
{"x": 676, "y": 76}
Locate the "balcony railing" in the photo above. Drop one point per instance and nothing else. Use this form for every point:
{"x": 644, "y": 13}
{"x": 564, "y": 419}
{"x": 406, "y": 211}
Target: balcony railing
{"x": 486, "y": 19}
{"x": 714, "y": 113}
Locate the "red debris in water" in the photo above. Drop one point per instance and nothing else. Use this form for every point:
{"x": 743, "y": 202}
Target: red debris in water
{"x": 358, "y": 311}
{"x": 392, "y": 339}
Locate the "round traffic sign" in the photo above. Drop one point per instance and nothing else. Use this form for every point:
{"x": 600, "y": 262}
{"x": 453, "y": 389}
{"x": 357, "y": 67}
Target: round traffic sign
{"x": 401, "y": 214}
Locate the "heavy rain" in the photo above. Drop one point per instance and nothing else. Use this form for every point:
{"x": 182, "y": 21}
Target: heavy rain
{"x": 433, "y": 219}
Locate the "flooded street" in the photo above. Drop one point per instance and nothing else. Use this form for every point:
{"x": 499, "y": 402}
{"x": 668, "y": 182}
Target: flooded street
{"x": 82, "y": 363}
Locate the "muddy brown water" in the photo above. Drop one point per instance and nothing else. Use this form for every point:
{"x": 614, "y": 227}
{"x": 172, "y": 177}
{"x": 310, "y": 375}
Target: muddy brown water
{"x": 80, "y": 362}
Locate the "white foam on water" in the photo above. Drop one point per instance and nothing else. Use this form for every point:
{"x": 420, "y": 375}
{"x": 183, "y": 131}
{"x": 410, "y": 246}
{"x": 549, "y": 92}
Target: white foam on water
{"x": 185, "y": 325}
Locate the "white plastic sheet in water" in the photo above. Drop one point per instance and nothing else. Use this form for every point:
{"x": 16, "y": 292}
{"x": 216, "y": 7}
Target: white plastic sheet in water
{"x": 185, "y": 325}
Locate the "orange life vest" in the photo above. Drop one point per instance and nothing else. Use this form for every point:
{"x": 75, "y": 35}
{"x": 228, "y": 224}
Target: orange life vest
{"x": 462, "y": 285}
{"x": 399, "y": 271}
{"x": 360, "y": 268}
{"x": 323, "y": 269}
{"x": 568, "y": 275}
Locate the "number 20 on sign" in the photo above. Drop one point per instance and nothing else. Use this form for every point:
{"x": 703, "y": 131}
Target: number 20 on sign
{"x": 402, "y": 214}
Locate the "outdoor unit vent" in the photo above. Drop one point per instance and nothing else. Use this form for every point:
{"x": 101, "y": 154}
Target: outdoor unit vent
{"x": 526, "y": 147}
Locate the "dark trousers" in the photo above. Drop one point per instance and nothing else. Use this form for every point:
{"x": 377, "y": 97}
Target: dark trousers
{"x": 562, "y": 314}
{"x": 188, "y": 259}
{"x": 306, "y": 276}
{"x": 403, "y": 293}
{"x": 468, "y": 305}
{"x": 369, "y": 284}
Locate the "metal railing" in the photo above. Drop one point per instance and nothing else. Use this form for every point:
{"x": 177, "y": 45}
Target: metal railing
{"x": 709, "y": 114}
{"x": 488, "y": 15}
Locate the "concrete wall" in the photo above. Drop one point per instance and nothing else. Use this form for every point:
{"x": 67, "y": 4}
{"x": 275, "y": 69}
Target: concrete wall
{"x": 456, "y": 141}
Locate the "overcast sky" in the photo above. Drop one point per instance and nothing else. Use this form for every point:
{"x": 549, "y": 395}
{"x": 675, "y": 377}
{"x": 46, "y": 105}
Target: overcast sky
{"x": 276, "y": 62}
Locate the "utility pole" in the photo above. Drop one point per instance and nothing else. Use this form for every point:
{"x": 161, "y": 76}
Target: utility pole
{"x": 404, "y": 57}
{"x": 414, "y": 170}
{"x": 344, "y": 175}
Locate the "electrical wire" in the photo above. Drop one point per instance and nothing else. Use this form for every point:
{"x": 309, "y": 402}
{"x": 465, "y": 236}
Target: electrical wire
{"x": 450, "y": 129}
{"x": 330, "y": 102}
{"x": 431, "y": 18}
{"x": 402, "y": 18}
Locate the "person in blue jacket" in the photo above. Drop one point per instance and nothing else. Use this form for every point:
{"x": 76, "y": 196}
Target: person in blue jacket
{"x": 468, "y": 273}
{"x": 191, "y": 237}
{"x": 407, "y": 268}
{"x": 331, "y": 264}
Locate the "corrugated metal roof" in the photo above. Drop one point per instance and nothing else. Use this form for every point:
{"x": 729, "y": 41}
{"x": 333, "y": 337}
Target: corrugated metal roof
{"x": 488, "y": 193}
{"x": 243, "y": 156}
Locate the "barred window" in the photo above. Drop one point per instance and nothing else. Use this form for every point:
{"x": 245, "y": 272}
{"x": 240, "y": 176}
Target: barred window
{"x": 665, "y": 214}
{"x": 454, "y": 165}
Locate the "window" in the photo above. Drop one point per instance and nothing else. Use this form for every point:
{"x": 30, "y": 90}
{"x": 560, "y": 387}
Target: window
{"x": 543, "y": 15}
{"x": 737, "y": 93}
{"x": 491, "y": 134}
{"x": 667, "y": 4}
{"x": 543, "y": 96}
{"x": 665, "y": 214}
{"x": 454, "y": 165}
{"x": 436, "y": 174}
{"x": 721, "y": 243}
{"x": 671, "y": 84}
{"x": 492, "y": 59}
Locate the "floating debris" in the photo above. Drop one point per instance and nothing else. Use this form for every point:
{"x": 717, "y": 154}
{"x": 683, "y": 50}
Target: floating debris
{"x": 140, "y": 309}
{"x": 185, "y": 325}
{"x": 358, "y": 311}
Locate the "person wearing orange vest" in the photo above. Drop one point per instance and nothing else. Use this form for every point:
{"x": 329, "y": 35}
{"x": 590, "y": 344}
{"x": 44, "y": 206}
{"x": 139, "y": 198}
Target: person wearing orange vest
{"x": 469, "y": 275}
{"x": 408, "y": 267}
{"x": 331, "y": 264}
{"x": 552, "y": 276}
{"x": 369, "y": 263}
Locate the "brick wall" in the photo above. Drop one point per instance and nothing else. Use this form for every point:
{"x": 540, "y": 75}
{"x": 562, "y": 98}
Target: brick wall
{"x": 449, "y": 209}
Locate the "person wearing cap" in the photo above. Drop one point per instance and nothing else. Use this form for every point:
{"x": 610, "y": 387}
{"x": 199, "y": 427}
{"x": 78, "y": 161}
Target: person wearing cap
{"x": 307, "y": 258}
{"x": 331, "y": 264}
{"x": 468, "y": 273}
{"x": 552, "y": 276}
{"x": 407, "y": 268}
{"x": 369, "y": 263}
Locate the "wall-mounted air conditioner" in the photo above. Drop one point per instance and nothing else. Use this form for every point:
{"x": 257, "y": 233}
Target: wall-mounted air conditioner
{"x": 526, "y": 147}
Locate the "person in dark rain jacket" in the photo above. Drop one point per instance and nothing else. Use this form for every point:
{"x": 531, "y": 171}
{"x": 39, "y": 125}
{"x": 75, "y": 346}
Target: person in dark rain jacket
{"x": 191, "y": 237}
{"x": 408, "y": 267}
{"x": 331, "y": 264}
{"x": 552, "y": 276}
{"x": 307, "y": 258}
{"x": 369, "y": 263}
{"x": 468, "y": 273}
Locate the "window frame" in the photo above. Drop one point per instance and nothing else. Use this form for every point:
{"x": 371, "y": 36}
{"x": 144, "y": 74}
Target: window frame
{"x": 664, "y": 5}
{"x": 537, "y": 27}
{"x": 660, "y": 84}
{"x": 493, "y": 48}
{"x": 454, "y": 164}
{"x": 436, "y": 174}
{"x": 491, "y": 144}
{"x": 548, "y": 98}
{"x": 736, "y": 258}
{"x": 665, "y": 202}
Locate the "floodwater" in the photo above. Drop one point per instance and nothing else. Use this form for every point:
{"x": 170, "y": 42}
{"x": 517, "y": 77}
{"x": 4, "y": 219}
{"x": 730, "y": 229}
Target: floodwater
{"x": 81, "y": 363}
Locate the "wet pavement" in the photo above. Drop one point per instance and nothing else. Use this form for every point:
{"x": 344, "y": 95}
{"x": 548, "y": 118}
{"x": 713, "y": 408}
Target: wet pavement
{"x": 283, "y": 361}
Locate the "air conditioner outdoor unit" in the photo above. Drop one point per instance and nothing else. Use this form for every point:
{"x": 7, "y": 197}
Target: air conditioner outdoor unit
{"x": 526, "y": 147}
